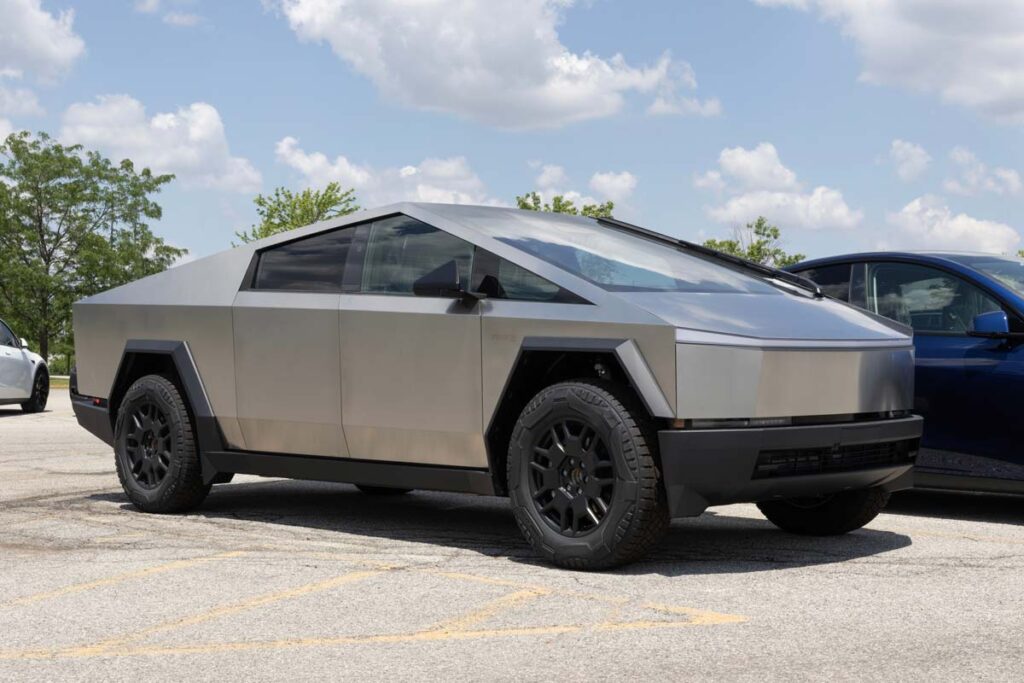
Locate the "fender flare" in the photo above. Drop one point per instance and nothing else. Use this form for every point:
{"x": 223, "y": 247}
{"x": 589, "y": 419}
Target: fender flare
{"x": 208, "y": 435}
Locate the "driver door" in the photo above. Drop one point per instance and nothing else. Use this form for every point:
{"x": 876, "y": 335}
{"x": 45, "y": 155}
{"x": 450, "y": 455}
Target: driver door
{"x": 15, "y": 368}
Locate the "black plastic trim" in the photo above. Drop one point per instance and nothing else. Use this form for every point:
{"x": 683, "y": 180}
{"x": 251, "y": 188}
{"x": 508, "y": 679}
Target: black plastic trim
{"x": 94, "y": 418}
{"x": 714, "y": 467}
{"x": 351, "y": 471}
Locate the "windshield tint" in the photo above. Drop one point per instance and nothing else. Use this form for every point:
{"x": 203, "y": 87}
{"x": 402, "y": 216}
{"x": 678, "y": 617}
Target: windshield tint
{"x": 1007, "y": 271}
{"x": 622, "y": 262}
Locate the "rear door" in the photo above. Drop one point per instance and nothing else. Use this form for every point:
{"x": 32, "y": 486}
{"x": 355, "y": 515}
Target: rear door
{"x": 411, "y": 376}
{"x": 287, "y": 346}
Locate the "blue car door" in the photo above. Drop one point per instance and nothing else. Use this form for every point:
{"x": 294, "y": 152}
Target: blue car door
{"x": 967, "y": 388}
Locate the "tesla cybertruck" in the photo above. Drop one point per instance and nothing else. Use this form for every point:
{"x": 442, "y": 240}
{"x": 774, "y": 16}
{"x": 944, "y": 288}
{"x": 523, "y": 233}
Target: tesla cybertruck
{"x": 604, "y": 377}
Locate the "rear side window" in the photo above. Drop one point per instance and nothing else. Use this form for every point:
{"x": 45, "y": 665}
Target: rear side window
{"x": 311, "y": 264}
{"x": 833, "y": 280}
{"x": 401, "y": 250}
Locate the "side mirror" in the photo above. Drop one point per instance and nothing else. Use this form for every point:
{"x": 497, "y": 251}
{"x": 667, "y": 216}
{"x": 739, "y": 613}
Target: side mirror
{"x": 993, "y": 324}
{"x": 24, "y": 343}
{"x": 444, "y": 281}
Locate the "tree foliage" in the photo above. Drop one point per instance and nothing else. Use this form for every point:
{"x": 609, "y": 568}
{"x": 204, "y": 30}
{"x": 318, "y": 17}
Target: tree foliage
{"x": 559, "y": 204}
{"x": 287, "y": 210}
{"x": 759, "y": 242}
{"x": 72, "y": 223}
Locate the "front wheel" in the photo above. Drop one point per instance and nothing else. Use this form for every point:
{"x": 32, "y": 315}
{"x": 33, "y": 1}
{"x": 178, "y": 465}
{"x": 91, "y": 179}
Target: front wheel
{"x": 582, "y": 475}
{"x": 831, "y": 515}
{"x": 155, "y": 448}
{"x": 40, "y": 393}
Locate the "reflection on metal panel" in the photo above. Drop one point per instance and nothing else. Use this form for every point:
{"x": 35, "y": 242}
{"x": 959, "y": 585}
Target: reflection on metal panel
{"x": 734, "y": 382}
{"x": 288, "y": 372}
{"x": 411, "y": 380}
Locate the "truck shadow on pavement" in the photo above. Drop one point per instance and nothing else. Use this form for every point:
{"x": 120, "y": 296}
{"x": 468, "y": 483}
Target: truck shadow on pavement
{"x": 712, "y": 544}
{"x": 962, "y": 505}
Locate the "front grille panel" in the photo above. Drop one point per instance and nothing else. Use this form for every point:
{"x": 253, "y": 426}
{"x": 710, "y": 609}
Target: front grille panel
{"x": 795, "y": 462}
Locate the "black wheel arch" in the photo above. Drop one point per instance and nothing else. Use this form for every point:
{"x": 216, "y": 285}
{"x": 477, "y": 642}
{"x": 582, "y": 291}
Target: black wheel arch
{"x": 171, "y": 359}
{"x": 543, "y": 361}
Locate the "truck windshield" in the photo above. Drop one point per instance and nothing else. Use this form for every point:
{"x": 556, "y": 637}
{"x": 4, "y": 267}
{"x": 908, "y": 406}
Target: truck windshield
{"x": 622, "y": 262}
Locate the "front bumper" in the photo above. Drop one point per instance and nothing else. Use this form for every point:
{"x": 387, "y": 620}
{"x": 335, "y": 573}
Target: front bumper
{"x": 704, "y": 467}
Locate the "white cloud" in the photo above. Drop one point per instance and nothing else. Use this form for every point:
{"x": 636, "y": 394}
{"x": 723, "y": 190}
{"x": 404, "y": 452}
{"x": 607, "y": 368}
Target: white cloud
{"x": 971, "y": 53}
{"x": 758, "y": 168}
{"x": 432, "y": 180}
{"x": 910, "y": 160}
{"x": 190, "y": 142}
{"x": 551, "y": 177}
{"x": 147, "y": 6}
{"x": 500, "y": 62}
{"x": 927, "y": 223}
{"x": 182, "y": 19}
{"x": 6, "y": 128}
{"x": 617, "y": 187}
{"x": 976, "y": 177}
{"x": 19, "y": 102}
{"x": 34, "y": 41}
{"x": 760, "y": 185}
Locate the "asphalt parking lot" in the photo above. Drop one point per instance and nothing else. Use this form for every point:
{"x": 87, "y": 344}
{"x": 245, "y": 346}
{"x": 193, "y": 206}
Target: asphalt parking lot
{"x": 290, "y": 580}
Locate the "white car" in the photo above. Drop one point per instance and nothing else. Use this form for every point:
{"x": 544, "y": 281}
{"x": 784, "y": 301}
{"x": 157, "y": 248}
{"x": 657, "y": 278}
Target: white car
{"x": 24, "y": 378}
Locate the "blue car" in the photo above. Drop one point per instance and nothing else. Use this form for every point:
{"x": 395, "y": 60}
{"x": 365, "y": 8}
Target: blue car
{"x": 967, "y": 314}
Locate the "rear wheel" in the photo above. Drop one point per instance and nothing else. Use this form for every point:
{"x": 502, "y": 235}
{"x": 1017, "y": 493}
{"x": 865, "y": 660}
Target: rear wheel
{"x": 831, "y": 515}
{"x": 582, "y": 476}
{"x": 40, "y": 393}
{"x": 381, "y": 490}
{"x": 155, "y": 448}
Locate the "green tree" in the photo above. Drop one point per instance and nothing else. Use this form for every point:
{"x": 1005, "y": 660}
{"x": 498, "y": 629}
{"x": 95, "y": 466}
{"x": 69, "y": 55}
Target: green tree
{"x": 759, "y": 242}
{"x": 559, "y": 204}
{"x": 287, "y": 210}
{"x": 72, "y": 223}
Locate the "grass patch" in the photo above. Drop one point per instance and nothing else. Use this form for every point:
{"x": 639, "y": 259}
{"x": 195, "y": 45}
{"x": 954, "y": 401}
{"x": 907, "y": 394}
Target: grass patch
{"x": 59, "y": 382}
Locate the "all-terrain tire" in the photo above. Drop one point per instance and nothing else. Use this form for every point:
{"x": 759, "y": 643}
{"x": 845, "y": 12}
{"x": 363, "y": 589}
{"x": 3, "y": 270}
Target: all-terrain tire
{"x": 166, "y": 477}
{"x": 832, "y": 515}
{"x": 381, "y": 490}
{"x": 636, "y": 515}
{"x": 40, "y": 393}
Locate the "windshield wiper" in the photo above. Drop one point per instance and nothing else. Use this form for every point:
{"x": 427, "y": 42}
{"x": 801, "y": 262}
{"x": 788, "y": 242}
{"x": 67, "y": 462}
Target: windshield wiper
{"x": 767, "y": 271}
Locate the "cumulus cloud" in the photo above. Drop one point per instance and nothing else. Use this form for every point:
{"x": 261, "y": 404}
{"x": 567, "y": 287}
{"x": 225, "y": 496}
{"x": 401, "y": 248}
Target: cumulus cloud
{"x": 450, "y": 180}
{"x": 909, "y": 160}
{"x": 19, "y": 102}
{"x": 183, "y": 19}
{"x": 191, "y": 142}
{"x": 6, "y": 128}
{"x": 500, "y": 62}
{"x": 617, "y": 187}
{"x": 969, "y": 53}
{"x": 976, "y": 177}
{"x": 172, "y": 17}
{"x": 928, "y": 223}
{"x": 760, "y": 185}
{"x": 34, "y": 41}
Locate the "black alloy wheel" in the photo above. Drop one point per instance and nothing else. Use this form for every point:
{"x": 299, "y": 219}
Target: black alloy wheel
{"x": 572, "y": 478}
{"x": 148, "y": 444}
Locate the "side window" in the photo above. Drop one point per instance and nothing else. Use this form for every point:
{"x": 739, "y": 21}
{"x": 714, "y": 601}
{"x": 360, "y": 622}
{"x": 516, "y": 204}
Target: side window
{"x": 312, "y": 264}
{"x": 401, "y": 250}
{"x": 833, "y": 280}
{"x": 927, "y": 299}
{"x": 499, "y": 278}
{"x": 6, "y": 336}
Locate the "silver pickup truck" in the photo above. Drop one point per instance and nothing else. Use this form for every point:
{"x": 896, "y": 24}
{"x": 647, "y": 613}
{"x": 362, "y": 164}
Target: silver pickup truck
{"x": 604, "y": 377}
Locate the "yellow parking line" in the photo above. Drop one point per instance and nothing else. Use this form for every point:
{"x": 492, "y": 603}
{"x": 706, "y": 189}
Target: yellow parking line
{"x": 127, "y": 576}
{"x": 461, "y": 623}
{"x": 105, "y": 646}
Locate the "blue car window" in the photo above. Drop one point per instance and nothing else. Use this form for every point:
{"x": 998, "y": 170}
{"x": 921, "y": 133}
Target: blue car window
{"x": 927, "y": 299}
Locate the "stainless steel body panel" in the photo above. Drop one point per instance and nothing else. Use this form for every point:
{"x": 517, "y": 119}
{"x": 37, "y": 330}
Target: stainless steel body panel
{"x": 288, "y": 372}
{"x": 507, "y": 323}
{"x": 410, "y": 380}
{"x": 721, "y": 382}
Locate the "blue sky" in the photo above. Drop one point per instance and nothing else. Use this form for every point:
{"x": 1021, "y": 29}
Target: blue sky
{"x": 852, "y": 124}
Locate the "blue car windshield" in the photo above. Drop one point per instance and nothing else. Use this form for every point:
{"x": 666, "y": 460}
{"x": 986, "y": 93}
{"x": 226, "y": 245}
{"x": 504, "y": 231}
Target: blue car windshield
{"x": 1008, "y": 272}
